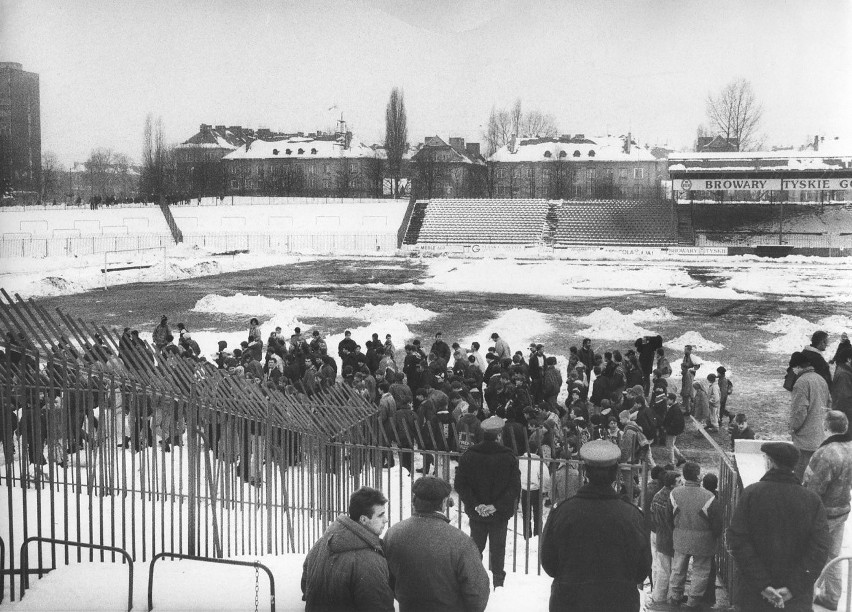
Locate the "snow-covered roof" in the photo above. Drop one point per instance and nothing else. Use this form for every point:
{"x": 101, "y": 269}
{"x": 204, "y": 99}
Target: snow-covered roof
{"x": 762, "y": 161}
{"x": 605, "y": 148}
{"x": 219, "y": 137}
{"x": 303, "y": 147}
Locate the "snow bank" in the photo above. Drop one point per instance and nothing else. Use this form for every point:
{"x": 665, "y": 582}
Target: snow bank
{"x": 518, "y": 327}
{"x": 794, "y": 282}
{"x": 795, "y": 333}
{"x": 610, "y": 324}
{"x": 696, "y": 340}
{"x": 313, "y": 307}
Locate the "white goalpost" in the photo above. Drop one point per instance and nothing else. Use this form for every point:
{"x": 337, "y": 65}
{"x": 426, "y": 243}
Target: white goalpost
{"x": 119, "y": 260}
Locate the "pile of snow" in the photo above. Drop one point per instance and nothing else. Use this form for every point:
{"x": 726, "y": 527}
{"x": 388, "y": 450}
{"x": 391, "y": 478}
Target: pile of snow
{"x": 518, "y": 327}
{"x": 795, "y": 332}
{"x": 794, "y": 282}
{"x": 696, "y": 340}
{"x": 313, "y": 307}
{"x": 610, "y": 324}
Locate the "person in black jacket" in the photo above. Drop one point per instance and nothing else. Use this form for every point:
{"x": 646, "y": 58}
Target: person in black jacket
{"x": 595, "y": 545}
{"x": 488, "y": 481}
{"x": 674, "y": 425}
{"x": 813, "y": 353}
{"x": 778, "y": 537}
{"x": 441, "y": 348}
{"x": 647, "y": 347}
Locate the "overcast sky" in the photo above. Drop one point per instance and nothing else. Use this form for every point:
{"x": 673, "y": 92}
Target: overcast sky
{"x": 599, "y": 66}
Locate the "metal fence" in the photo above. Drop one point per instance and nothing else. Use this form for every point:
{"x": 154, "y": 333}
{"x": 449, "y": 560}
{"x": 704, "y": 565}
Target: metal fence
{"x": 80, "y": 245}
{"x": 322, "y": 243}
{"x": 112, "y": 445}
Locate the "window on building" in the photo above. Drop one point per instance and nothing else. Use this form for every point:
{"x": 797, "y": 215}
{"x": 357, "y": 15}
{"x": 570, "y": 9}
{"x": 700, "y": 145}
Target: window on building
{"x": 235, "y": 184}
{"x": 591, "y": 153}
{"x": 288, "y": 151}
{"x": 328, "y": 168}
{"x": 545, "y": 174}
{"x": 576, "y": 153}
{"x": 547, "y": 154}
{"x": 563, "y": 154}
{"x": 313, "y": 151}
{"x": 530, "y": 174}
{"x": 275, "y": 151}
{"x": 312, "y": 169}
{"x": 592, "y": 173}
{"x": 622, "y": 174}
{"x": 301, "y": 151}
{"x": 639, "y": 173}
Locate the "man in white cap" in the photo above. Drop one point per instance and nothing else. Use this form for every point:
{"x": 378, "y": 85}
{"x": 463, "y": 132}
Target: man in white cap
{"x": 595, "y": 545}
{"x": 488, "y": 481}
{"x": 435, "y": 566}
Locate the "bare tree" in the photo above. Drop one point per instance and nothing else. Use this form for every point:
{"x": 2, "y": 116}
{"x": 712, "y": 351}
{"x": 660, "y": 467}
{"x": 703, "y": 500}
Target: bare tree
{"x": 536, "y": 124}
{"x": 503, "y": 124}
{"x": 735, "y": 113}
{"x": 375, "y": 170}
{"x": 396, "y": 135}
{"x": 155, "y": 159}
{"x": 51, "y": 175}
{"x": 430, "y": 173}
{"x": 98, "y": 170}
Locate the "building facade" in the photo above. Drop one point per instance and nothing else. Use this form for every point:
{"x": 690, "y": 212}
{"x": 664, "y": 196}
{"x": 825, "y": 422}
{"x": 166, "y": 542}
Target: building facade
{"x": 20, "y": 129}
{"x": 575, "y": 167}
{"x": 448, "y": 170}
{"x": 317, "y": 165}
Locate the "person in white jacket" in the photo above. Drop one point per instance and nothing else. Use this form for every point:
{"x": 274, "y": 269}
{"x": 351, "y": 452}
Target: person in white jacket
{"x": 713, "y": 397}
{"x": 535, "y": 480}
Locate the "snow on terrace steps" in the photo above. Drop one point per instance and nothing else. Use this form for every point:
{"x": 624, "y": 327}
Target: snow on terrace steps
{"x": 475, "y": 221}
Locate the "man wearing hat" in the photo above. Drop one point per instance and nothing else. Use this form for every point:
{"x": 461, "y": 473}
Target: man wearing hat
{"x": 488, "y": 481}
{"x": 595, "y": 545}
{"x": 778, "y": 537}
{"x": 160, "y": 332}
{"x": 435, "y": 566}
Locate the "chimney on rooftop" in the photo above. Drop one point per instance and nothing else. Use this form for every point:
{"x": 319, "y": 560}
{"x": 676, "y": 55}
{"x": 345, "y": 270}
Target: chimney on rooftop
{"x": 816, "y": 143}
{"x": 220, "y": 128}
{"x": 457, "y": 143}
{"x": 204, "y": 128}
{"x": 627, "y": 143}
{"x": 472, "y": 148}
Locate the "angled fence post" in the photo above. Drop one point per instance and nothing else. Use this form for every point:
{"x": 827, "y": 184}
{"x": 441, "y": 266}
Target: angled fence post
{"x": 192, "y": 464}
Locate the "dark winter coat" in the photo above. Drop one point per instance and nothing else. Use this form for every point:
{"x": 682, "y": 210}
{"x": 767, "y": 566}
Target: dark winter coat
{"x": 587, "y": 358}
{"x": 841, "y": 390}
{"x": 662, "y": 521}
{"x": 435, "y": 566}
{"x": 442, "y": 350}
{"x": 818, "y": 362}
{"x": 488, "y": 473}
{"x": 673, "y": 422}
{"x": 596, "y": 548}
{"x": 647, "y": 421}
{"x": 346, "y": 570}
{"x": 778, "y": 537}
{"x": 646, "y": 352}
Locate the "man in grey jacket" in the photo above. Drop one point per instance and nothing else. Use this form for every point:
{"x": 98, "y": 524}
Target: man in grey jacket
{"x": 810, "y": 400}
{"x": 434, "y": 565}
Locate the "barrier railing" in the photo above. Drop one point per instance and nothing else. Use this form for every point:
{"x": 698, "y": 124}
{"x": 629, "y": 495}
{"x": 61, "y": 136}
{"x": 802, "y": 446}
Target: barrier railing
{"x": 830, "y": 567}
{"x": 255, "y": 564}
{"x": 25, "y": 581}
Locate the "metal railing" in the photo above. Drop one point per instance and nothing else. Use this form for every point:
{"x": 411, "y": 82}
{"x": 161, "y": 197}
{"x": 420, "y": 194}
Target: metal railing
{"x": 255, "y": 564}
{"x": 830, "y": 567}
{"x": 25, "y": 581}
{"x": 796, "y": 239}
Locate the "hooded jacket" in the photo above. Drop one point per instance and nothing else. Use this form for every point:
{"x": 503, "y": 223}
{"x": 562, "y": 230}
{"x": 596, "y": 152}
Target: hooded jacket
{"x": 346, "y": 570}
{"x": 488, "y": 473}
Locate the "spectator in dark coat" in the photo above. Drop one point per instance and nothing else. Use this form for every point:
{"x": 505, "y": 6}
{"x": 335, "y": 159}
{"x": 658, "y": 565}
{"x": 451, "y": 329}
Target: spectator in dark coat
{"x": 778, "y": 537}
{"x": 488, "y": 481}
{"x": 673, "y": 425}
{"x": 841, "y": 385}
{"x": 441, "y": 348}
{"x": 346, "y": 569}
{"x": 435, "y": 566}
{"x": 586, "y": 355}
{"x": 662, "y": 542}
{"x": 844, "y": 344}
{"x": 647, "y": 347}
{"x": 595, "y": 545}
{"x": 813, "y": 353}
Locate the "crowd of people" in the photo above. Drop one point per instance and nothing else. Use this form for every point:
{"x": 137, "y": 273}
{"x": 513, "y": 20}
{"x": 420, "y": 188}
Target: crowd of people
{"x": 502, "y": 411}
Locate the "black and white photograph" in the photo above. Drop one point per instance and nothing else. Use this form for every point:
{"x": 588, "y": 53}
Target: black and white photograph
{"x": 425, "y": 305}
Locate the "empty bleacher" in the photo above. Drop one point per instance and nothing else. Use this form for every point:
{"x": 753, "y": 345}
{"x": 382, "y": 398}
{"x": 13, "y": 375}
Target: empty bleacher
{"x": 616, "y": 222}
{"x": 482, "y": 221}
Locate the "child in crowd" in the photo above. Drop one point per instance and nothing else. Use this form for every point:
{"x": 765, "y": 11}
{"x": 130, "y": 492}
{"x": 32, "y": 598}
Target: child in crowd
{"x": 740, "y": 430}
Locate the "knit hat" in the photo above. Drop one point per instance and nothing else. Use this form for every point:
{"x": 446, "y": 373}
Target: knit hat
{"x": 431, "y": 488}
